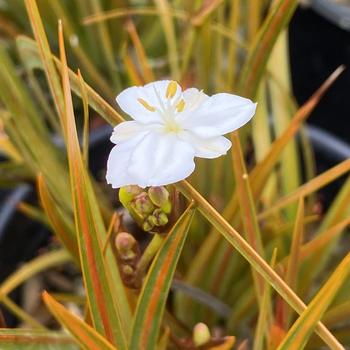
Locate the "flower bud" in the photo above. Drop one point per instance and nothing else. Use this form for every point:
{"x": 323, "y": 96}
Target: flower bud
{"x": 159, "y": 218}
{"x": 148, "y": 209}
{"x": 148, "y": 224}
{"x": 201, "y": 334}
{"x": 125, "y": 244}
{"x": 159, "y": 195}
{"x": 128, "y": 193}
{"x": 127, "y": 270}
{"x": 143, "y": 205}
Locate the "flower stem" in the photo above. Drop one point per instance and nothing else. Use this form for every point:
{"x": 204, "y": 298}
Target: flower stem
{"x": 148, "y": 255}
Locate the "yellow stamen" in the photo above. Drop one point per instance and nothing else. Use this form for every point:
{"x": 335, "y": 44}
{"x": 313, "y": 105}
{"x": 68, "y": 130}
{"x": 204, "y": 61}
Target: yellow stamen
{"x": 181, "y": 105}
{"x": 171, "y": 90}
{"x": 146, "y": 105}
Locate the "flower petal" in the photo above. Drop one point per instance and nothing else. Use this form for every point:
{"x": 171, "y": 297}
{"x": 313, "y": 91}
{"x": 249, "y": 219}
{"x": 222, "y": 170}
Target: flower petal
{"x": 161, "y": 159}
{"x": 142, "y": 103}
{"x": 119, "y": 161}
{"x": 218, "y": 115}
{"x": 127, "y": 130}
{"x": 207, "y": 148}
{"x": 193, "y": 98}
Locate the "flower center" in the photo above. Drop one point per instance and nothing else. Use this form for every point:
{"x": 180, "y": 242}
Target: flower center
{"x": 172, "y": 126}
{"x": 168, "y": 108}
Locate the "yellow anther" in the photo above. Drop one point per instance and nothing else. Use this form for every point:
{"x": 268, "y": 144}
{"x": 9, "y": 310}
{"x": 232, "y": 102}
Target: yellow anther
{"x": 146, "y": 105}
{"x": 180, "y": 106}
{"x": 171, "y": 90}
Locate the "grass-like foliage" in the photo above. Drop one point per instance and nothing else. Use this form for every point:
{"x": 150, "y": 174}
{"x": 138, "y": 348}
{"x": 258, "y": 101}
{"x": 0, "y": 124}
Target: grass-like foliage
{"x": 242, "y": 260}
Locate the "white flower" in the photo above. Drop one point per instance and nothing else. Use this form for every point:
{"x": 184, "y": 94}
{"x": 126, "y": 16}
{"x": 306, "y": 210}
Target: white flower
{"x": 169, "y": 129}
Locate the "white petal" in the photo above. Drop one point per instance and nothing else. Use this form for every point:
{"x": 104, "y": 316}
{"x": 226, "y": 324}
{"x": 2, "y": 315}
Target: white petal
{"x": 154, "y": 94}
{"x": 119, "y": 161}
{"x": 207, "y": 148}
{"x": 127, "y": 130}
{"x": 161, "y": 159}
{"x": 193, "y": 98}
{"x": 218, "y": 115}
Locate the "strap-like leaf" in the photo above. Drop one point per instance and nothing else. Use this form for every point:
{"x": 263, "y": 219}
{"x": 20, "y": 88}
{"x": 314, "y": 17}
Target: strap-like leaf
{"x": 30, "y": 53}
{"x": 258, "y": 55}
{"x": 45, "y": 54}
{"x": 90, "y": 229}
{"x": 302, "y": 329}
{"x": 84, "y": 334}
{"x": 151, "y": 304}
{"x": 29, "y": 339}
{"x": 259, "y": 264}
{"x": 63, "y": 229}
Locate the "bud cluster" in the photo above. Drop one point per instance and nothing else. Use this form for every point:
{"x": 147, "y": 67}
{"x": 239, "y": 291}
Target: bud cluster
{"x": 128, "y": 255}
{"x": 148, "y": 207}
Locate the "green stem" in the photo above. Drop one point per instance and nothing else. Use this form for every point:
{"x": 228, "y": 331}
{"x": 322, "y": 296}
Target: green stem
{"x": 148, "y": 255}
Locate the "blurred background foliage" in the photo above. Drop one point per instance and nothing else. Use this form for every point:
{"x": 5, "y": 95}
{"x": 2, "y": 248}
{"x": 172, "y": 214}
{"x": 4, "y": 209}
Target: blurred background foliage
{"x": 237, "y": 46}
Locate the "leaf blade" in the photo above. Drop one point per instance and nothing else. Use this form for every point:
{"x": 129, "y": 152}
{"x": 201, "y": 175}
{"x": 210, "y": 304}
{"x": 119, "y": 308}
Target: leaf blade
{"x": 105, "y": 313}
{"x": 84, "y": 334}
{"x": 236, "y": 240}
{"x": 25, "y": 339}
{"x": 156, "y": 287}
{"x": 300, "y": 332}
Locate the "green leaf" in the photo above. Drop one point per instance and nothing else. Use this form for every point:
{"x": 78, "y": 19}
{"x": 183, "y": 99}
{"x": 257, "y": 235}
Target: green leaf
{"x": 151, "y": 304}
{"x": 28, "y": 132}
{"x": 247, "y": 208}
{"x": 262, "y": 170}
{"x": 310, "y": 187}
{"x": 45, "y": 55}
{"x": 170, "y": 36}
{"x": 30, "y": 51}
{"x": 258, "y": 178}
{"x": 259, "y": 264}
{"x": 107, "y": 316}
{"x": 84, "y": 334}
{"x": 31, "y": 339}
{"x": 264, "y": 322}
{"x": 255, "y": 65}
{"x": 292, "y": 272}
{"x": 62, "y": 227}
{"x": 302, "y": 329}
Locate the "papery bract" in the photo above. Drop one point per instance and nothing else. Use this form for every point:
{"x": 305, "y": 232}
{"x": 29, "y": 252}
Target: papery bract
{"x": 169, "y": 128}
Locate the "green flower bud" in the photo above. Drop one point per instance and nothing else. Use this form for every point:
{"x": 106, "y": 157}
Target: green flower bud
{"x": 159, "y": 218}
{"x": 159, "y": 195}
{"x": 201, "y": 334}
{"x": 143, "y": 205}
{"x": 128, "y": 193}
{"x": 148, "y": 209}
{"x": 148, "y": 224}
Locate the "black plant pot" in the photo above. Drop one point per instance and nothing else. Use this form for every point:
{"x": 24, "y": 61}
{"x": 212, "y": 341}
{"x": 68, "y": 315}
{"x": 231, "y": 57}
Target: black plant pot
{"x": 329, "y": 151}
{"x": 317, "y": 48}
{"x": 336, "y": 13}
{"x": 22, "y": 238}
